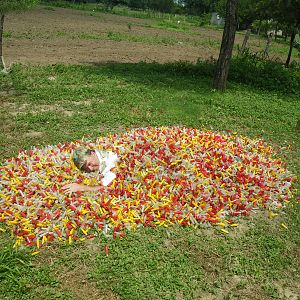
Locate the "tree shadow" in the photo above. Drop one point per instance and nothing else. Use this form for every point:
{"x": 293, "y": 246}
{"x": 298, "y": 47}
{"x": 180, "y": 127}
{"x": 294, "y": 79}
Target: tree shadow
{"x": 178, "y": 76}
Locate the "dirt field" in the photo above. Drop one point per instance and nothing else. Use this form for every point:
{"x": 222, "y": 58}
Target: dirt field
{"x": 56, "y": 35}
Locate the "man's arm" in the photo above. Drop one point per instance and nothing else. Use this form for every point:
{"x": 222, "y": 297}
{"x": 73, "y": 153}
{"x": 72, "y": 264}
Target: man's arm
{"x": 76, "y": 187}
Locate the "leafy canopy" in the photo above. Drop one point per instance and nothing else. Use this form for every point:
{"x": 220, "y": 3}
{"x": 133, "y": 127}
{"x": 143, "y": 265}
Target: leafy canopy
{"x": 198, "y": 7}
{"x": 13, "y": 5}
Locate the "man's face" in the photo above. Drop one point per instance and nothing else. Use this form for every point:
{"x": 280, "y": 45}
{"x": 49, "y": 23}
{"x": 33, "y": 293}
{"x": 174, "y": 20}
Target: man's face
{"x": 92, "y": 163}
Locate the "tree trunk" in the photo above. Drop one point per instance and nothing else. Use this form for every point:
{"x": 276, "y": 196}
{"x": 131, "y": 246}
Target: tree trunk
{"x": 2, "y": 64}
{"x": 287, "y": 63}
{"x": 226, "y": 46}
{"x": 245, "y": 41}
{"x": 266, "y": 51}
{"x": 259, "y": 28}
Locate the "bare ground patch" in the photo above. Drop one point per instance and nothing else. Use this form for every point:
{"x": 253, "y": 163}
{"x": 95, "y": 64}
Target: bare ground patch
{"x": 61, "y": 51}
{"x": 15, "y": 109}
{"x": 33, "y": 134}
{"x": 289, "y": 291}
{"x": 77, "y": 282}
{"x": 66, "y": 36}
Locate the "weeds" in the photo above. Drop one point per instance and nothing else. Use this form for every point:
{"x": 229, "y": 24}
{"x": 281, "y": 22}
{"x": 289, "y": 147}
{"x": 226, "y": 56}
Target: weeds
{"x": 7, "y": 34}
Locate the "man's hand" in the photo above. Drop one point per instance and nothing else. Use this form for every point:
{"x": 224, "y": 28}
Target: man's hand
{"x": 73, "y": 188}
{"x": 76, "y": 187}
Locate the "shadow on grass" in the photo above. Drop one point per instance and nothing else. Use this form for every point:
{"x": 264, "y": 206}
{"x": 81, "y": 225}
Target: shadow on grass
{"x": 249, "y": 70}
{"x": 179, "y": 76}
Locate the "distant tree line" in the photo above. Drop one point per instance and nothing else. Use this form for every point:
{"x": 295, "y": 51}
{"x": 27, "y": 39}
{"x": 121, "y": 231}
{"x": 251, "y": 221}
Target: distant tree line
{"x": 190, "y": 7}
{"x": 261, "y": 13}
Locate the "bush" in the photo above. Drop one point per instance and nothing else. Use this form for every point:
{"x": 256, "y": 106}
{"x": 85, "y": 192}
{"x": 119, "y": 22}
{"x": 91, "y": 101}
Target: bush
{"x": 251, "y": 70}
{"x": 266, "y": 74}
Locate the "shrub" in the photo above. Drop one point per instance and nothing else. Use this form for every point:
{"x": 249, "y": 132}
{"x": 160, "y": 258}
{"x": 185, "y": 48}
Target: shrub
{"x": 266, "y": 74}
{"x": 251, "y": 70}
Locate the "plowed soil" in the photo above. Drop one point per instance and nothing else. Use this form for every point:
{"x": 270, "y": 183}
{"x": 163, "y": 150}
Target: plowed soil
{"x": 56, "y": 35}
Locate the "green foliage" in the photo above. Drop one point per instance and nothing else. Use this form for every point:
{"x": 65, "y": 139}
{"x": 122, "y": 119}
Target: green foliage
{"x": 270, "y": 75}
{"x": 248, "y": 11}
{"x": 7, "y": 6}
{"x": 197, "y": 7}
{"x": 286, "y": 12}
{"x": 263, "y": 26}
{"x": 157, "y": 5}
{"x": 164, "y": 6}
{"x": 256, "y": 72}
{"x": 93, "y": 7}
{"x": 110, "y": 4}
{"x": 130, "y": 12}
{"x": 249, "y": 70}
{"x": 7, "y": 34}
{"x": 137, "y": 4}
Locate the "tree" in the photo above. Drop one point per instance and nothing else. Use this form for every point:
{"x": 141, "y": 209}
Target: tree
{"x": 7, "y": 6}
{"x": 197, "y": 7}
{"x": 287, "y": 12}
{"x": 248, "y": 12}
{"x": 164, "y": 6}
{"x": 137, "y": 4}
{"x": 110, "y": 4}
{"x": 226, "y": 46}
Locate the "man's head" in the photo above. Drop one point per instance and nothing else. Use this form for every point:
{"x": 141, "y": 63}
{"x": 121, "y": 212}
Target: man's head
{"x": 86, "y": 160}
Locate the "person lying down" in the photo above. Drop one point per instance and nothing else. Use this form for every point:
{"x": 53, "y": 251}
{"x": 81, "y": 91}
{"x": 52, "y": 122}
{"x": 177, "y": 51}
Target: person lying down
{"x": 88, "y": 160}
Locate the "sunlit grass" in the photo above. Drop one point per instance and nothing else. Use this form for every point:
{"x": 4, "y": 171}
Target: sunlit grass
{"x": 52, "y": 104}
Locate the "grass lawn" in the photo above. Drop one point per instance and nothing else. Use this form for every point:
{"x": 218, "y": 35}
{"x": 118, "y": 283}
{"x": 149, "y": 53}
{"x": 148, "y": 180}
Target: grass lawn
{"x": 52, "y": 104}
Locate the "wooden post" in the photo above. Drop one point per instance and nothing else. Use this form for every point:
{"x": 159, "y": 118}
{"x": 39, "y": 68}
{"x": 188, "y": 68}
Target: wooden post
{"x": 269, "y": 41}
{"x": 2, "y": 64}
{"x": 245, "y": 41}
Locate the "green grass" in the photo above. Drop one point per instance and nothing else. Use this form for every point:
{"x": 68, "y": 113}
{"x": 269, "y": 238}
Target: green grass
{"x": 176, "y": 25}
{"x": 201, "y": 263}
{"x": 52, "y": 104}
{"x": 140, "y": 95}
{"x": 125, "y": 11}
{"x": 149, "y": 14}
{"x": 19, "y": 278}
{"x": 130, "y": 37}
{"x": 119, "y": 37}
{"x": 7, "y": 34}
{"x": 108, "y": 36}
